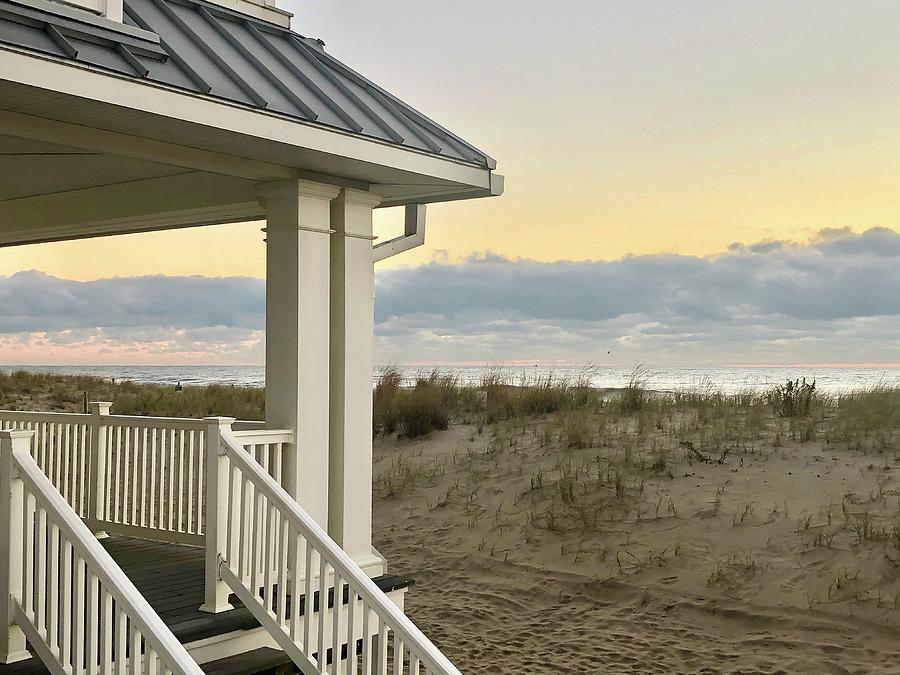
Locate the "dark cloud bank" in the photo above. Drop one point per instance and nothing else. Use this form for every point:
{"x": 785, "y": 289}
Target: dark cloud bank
{"x": 834, "y": 298}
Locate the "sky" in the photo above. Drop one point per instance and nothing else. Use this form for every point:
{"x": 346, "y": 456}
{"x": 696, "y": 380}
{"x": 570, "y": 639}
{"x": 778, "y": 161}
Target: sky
{"x": 687, "y": 183}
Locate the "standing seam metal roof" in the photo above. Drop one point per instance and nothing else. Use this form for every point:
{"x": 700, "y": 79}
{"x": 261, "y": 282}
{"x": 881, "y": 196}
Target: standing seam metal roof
{"x": 210, "y": 50}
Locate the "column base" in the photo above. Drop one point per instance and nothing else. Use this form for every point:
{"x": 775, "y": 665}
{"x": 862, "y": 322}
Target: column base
{"x": 15, "y": 657}
{"x": 373, "y": 565}
{"x": 215, "y": 609}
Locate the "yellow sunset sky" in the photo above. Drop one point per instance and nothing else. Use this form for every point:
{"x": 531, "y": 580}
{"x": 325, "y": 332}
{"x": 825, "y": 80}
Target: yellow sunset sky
{"x": 621, "y": 129}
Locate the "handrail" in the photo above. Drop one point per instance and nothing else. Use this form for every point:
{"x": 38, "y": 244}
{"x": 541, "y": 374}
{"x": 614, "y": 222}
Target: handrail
{"x": 104, "y": 575}
{"x": 33, "y": 414}
{"x": 422, "y": 651}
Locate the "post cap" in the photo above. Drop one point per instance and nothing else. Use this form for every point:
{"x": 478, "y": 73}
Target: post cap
{"x": 221, "y": 421}
{"x": 16, "y": 433}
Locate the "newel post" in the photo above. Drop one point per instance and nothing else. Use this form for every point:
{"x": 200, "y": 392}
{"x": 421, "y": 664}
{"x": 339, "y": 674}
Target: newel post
{"x": 216, "y": 591}
{"x": 97, "y": 483}
{"x": 12, "y": 506}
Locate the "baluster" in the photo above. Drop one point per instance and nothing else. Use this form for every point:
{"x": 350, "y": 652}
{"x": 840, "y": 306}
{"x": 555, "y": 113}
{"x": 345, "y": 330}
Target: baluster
{"x": 53, "y": 603}
{"x": 106, "y": 631}
{"x": 121, "y": 642}
{"x": 134, "y": 647}
{"x": 244, "y": 537}
{"x": 181, "y": 475}
{"x": 295, "y": 542}
{"x": 161, "y": 489}
{"x": 131, "y": 444}
{"x": 45, "y": 430}
{"x": 201, "y": 481}
{"x": 381, "y": 648}
{"x": 78, "y": 608}
{"x": 308, "y": 590}
{"x": 116, "y": 436}
{"x": 366, "y": 655}
{"x": 256, "y": 542}
{"x": 66, "y": 466}
{"x": 66, "y": 604}
{"x": 398, "y": 654}
{"x": 234, "y": 514}
{"x": 151, "y": 485}
{"x": 145, "y": 483}
{"x": 93, "y": 622}
{"x": 276, "y": 464}
{"x": 267, "y": 549}
{"x": 366, "y": 640}
{"x": 337, "y": 595}
{"x": 281, "y": 578}
{"x": 172, "y": 497}
{"x": 41, "y": 555}
{"x": 78, "y": 467}
{"x": 351, "y": 641}
{"x": 189, "y": 526}
{"x": 323, "y": 610}
{"x": 29, "y": 541}
{"x": 413, "y": 664}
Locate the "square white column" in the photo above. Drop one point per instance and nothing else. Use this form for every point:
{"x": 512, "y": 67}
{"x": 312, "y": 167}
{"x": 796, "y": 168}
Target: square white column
{"x": 298, "y": 234}
{"x": 352, "y": 328}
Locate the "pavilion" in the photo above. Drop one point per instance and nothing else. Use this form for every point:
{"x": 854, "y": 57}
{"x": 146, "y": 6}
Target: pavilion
{"x": 140, "y": 115}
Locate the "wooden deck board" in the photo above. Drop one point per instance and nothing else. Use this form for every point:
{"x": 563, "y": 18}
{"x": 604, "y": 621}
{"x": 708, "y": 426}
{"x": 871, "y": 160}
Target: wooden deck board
{"x": 170, "y": 577}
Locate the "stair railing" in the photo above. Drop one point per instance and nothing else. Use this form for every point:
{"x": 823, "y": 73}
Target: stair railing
{"x": 61, "y": 590}
{"x": 287, "y": 571}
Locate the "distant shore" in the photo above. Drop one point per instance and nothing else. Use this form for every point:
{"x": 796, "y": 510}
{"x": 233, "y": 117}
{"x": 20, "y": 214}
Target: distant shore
{"x": 728, "y": 379}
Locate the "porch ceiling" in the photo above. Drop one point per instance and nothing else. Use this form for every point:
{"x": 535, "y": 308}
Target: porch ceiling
{"x": 33, "y": 168}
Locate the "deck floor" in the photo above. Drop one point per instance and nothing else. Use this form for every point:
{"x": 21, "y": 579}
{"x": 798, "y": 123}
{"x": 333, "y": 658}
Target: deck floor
{"x": 170, "y": 577}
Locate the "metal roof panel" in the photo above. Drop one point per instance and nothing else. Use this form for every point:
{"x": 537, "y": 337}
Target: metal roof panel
{"x": 210, "y": 50}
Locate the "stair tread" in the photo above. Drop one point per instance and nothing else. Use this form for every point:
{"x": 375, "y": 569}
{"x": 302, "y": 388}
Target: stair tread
{"x": 256, "y": 661}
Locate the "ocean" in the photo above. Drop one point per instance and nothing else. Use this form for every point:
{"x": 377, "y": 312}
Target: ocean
{"x": 729, "y": 379}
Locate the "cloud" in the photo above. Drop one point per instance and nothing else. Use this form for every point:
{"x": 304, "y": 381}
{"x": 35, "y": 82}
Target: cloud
{"x": 833, "y": 298}
{"x": 148, "y": 319}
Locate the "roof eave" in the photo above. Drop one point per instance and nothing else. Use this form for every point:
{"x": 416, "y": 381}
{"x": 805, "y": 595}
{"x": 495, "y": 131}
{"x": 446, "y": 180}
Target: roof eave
{"x": 58, "y": 75}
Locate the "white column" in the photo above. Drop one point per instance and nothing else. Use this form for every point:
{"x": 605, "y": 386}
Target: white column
{"x": 12, "y": 639}
{"x": 352, "y": 325}
{"x": 298, "y": 233}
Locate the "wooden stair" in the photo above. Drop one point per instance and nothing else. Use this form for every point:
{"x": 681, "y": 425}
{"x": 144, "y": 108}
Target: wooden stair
{"x": 262, "y": 661}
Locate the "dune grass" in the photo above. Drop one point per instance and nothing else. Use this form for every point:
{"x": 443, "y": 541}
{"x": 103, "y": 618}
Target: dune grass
{"x": 23, "y": 390}
{"x": 700, "y": 422}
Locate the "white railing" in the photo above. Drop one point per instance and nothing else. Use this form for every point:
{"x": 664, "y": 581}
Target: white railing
{"x": 134, "y": 475}
{"x": 287, "y": 570}
{"x": 62, "y": 591}
{"x": 153, "y": 473}
{"x": 61, "y": 448}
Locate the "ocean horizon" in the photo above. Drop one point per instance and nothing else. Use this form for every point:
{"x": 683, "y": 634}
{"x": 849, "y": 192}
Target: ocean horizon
{"x": 830, "y": 378}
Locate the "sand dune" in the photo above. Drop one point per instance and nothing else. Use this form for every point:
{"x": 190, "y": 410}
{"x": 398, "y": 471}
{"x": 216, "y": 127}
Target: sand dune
{"x": 759, "y": 564}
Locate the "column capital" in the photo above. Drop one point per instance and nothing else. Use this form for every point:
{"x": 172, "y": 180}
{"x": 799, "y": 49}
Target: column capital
{"x": 297, "y": 188}
{"x": 359, "y": 198}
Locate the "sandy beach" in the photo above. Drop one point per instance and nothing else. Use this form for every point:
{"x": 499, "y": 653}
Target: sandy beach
{"x": 660, "y": 543}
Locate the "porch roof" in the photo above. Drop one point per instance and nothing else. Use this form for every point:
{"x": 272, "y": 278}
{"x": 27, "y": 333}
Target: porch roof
{"x": 211, "y": 51}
